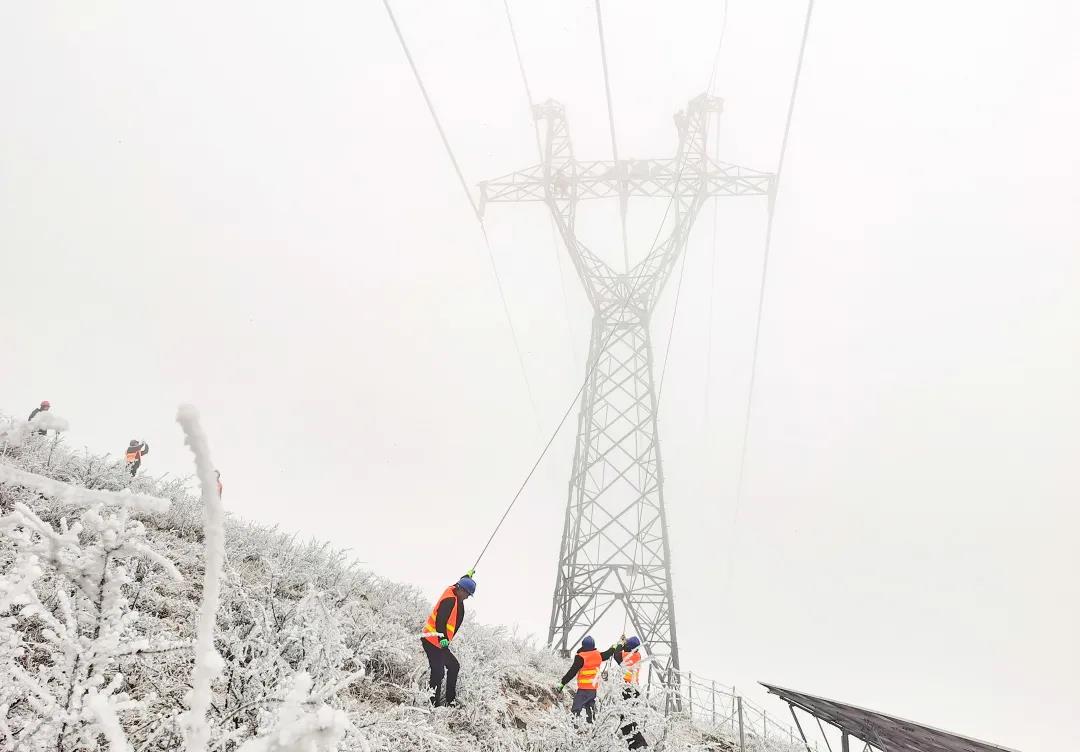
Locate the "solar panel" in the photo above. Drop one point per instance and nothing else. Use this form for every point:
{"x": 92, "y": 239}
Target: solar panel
{"x": 886, "y": 732}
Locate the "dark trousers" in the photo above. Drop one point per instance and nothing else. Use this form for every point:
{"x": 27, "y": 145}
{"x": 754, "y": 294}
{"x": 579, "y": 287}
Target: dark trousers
{"x": 633, "y": 737}
{"x": 134, "y": 467}
{"x": 442, "y": 662}
{"x": 585, "y": 699}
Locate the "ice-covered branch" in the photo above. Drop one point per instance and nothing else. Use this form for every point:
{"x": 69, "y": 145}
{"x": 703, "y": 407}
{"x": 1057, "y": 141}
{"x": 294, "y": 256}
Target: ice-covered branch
{"x": 319, "y": 730}
{"x": 77, "y": 496}
{"x": 207, "y": 661}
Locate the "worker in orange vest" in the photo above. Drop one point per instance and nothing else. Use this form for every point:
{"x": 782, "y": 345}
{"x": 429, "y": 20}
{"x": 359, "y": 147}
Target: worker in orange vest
{"x": 439, "y": 631}
{"x": 586, "y": 667}
{"x": 220, "y": 487}
{"x": 629, "y": 658}
{"x": 135, "y": 452}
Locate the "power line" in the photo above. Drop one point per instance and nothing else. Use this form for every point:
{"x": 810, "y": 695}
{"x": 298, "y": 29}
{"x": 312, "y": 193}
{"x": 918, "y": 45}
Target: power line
{"x": 682, "y": 266}
{"x": 540, "y": 155}
{"x": 611, "y": 125}
{"x": 719, "y": 46}
{"x": 764, "y": 277}
{"x": 472, "y": 203}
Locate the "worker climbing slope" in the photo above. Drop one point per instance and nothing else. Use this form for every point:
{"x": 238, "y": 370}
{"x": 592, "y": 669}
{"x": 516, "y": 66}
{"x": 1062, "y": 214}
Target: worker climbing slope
{"x": 586, "y": 667}
{"x": 135, "y": 452}
{"x": 442, "y": 625}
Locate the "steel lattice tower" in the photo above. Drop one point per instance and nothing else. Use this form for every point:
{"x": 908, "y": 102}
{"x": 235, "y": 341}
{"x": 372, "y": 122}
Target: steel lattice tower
{"x": 615, "y": 542}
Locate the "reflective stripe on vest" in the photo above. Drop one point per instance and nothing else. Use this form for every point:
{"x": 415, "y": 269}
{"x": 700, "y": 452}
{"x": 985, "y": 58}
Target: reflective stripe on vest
{"x": 589, "y": 675}
{"x": 133, "y": 454}
{"x": 629, "y": 662}
{"x": 451, "y": 623}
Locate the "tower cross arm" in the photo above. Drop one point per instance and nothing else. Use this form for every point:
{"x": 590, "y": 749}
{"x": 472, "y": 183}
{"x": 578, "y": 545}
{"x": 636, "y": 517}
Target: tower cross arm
{"x": 645, "y": 178}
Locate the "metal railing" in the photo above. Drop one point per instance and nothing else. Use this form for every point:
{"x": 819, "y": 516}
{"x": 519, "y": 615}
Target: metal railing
{"x": 717, "y": 707}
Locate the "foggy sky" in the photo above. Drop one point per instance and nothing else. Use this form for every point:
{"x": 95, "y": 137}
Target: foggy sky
{"x": 248, "y": 208}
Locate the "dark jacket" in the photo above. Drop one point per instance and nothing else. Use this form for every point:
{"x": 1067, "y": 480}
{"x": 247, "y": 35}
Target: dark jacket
{"x": 37, "y": 410}
{"x": 442, "y": 615}
{"x": 579, "y": 662}
{"x": 144, "y": 449}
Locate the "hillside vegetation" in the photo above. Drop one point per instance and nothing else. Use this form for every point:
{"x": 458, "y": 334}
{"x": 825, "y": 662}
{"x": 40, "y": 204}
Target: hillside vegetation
{"x": 101, "y": 579}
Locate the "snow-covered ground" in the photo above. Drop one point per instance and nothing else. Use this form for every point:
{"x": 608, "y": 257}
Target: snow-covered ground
{"x": 102, "y": 581}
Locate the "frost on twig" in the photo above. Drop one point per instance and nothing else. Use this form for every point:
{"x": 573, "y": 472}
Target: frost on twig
{"x": 208, "y": 662}
{"x": 66, "y": 621}
{"x": 96, "y": 635}
{"x": 297, "y": 729}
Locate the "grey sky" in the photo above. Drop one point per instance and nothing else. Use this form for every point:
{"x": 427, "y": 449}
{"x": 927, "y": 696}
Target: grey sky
{"x": 247, "y": 207}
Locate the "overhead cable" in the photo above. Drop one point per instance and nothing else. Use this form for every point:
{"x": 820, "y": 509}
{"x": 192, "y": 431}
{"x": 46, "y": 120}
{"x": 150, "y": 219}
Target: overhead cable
{"x": 472, "y": 203}
{"x": 614, "y": 146}
{"x": 540, "y": 154}
{"x": 765, "y": 270}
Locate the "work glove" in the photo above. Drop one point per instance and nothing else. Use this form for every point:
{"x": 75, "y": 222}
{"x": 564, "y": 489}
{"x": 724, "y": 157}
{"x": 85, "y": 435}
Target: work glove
{"x": 471, "y": 573}
{"x": 444, "y": 643}
{"x": 559, "y": 688}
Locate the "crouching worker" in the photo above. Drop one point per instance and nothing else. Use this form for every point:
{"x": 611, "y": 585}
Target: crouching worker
{"x": 586, "y": 667}
{"x": 446, "y": 616}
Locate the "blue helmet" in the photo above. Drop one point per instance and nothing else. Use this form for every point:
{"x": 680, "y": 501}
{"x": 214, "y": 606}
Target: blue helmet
{"x": 633, "y": 643}
{"x": 468, "y": 584}
{"x": 588, "y": 643}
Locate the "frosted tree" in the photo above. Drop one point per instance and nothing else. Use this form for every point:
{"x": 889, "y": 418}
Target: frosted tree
{"x": 66, "y": 622}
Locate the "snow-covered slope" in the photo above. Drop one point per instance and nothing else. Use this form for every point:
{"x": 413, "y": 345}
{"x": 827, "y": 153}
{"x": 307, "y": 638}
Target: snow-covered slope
{"x": 100, "y": 587}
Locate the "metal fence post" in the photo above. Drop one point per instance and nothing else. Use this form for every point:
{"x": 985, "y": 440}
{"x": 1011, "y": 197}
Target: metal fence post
{"x": 742, "y": 737}
{"x": 733, "y": 709}
{"x": 714, "y": 702}
{"x": 667, "y": 694}
{"x": 690, "y": 692}
{"x": 765, "y": 724}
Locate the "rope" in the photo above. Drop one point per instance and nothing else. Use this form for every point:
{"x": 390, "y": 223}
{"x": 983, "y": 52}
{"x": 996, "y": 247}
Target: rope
{"x": 611, "y": 125}
{"x": 764, "y": 276}
{"x": 472, "y": 203}
{"x": 540, "y": 154}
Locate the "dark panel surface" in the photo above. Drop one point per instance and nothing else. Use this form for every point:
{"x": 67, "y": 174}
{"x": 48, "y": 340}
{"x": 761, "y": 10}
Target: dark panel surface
{"x": 886, "y": 732}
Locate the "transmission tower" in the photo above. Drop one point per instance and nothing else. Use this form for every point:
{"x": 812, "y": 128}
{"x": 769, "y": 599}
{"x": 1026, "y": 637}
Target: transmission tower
{"x": 615, "y": 547}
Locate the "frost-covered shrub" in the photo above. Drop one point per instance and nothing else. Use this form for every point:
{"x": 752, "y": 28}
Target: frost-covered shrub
{"x": 100, "y": 589}
{"x": 66, "y": 625}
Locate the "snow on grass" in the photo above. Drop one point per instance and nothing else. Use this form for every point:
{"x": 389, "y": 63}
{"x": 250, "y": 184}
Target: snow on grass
{"x": 104, "y": 616}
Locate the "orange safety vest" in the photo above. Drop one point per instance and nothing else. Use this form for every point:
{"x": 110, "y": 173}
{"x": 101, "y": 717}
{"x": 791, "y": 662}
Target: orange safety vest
{"x": 629, "y": 662}
{"x": 133, "y": 453}
{"x": 451, "y": 623}
{"x": 219, "y": 488}
{"x": 589, "y": 675}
